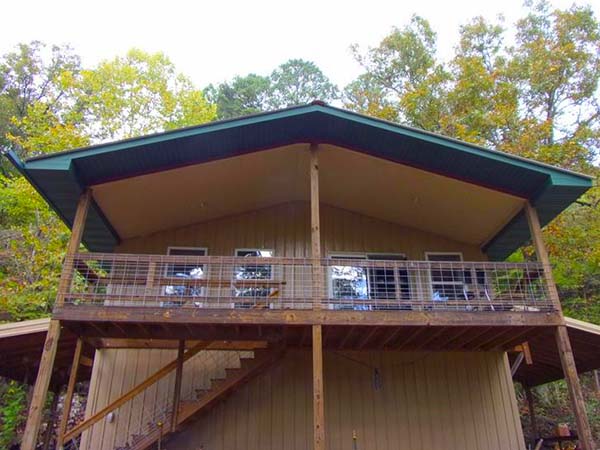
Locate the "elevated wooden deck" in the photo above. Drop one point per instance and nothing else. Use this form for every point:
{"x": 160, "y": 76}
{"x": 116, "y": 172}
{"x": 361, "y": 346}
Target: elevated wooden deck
{"x": 298, "y": 291}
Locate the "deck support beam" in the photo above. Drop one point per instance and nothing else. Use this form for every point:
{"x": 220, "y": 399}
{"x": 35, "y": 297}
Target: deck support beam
{"x": 177, "y": 388}
{"x": 40, "y": 391}
{"x": 562, "y": 337}
{"x": 66, "y": 412}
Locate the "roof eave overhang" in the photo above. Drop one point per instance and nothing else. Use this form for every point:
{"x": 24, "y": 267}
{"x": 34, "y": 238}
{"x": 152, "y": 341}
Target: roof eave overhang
{"x": 61, "y": 177}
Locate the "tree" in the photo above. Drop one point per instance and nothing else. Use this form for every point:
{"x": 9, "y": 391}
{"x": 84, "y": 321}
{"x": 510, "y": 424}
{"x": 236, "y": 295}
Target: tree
{"x": 298, "y": 82}
{"x": 294, "y": 82}
{"x": 402, "y": 72}
{"x": 556, "y": 67}
{"x": 137, "y": 94}
{"x": 33, "y": 241}
{"x": 366, "y": 96}
{"x": 240, "y": 97}
{"x": 482, "y": 102}
{"x": 33, "y": 82}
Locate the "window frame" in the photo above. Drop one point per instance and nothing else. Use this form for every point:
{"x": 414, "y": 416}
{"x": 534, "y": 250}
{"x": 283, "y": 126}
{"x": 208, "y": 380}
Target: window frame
{"x": 447, "y": 283}
{"x": 396, "y": 257}
{"x": 253, "y": 249}
{"x": 366, "y": 256}
{"x": 344, "y": 255}
{"x": 166, "y": 272}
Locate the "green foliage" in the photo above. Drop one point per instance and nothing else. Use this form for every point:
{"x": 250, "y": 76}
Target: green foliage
{"x": 365, "y": 95}
{"x": 553, "y": 406}
{"x": 32, "y": 93}
{"x": 138, "y": 94}
{"x": 402, "y": 72}
{"x": 13, "y": 398}
{"x": 293, "y": 83}
{"x": 242, "y": 96}
{"x": 297, "y": 82}
{"x": 556, "y": 67}
{"x": 33, "y": 241}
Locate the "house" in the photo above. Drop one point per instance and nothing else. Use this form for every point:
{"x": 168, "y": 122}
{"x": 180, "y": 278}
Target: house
{"x": 302, "y": 278}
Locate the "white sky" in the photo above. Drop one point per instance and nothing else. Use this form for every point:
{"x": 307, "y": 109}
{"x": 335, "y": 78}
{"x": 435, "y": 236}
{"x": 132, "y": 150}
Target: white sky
{"x": 211, "y": 41}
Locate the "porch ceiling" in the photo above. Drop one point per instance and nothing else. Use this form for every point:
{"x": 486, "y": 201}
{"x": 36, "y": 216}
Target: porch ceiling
{"x": 142, "y": 205}
{"x": 61, "y": 177}
{"x": 371, "y": 186}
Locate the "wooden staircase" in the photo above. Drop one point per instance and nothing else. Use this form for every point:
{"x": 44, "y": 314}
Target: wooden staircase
{"x": 219, "y": 388}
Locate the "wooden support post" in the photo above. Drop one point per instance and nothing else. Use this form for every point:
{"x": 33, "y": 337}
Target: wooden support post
{"x": 318, "y": 403}
{"x": 36, "y": 409}
{"x": 66, "y": 413}
{"x": 177, "y": 388}
{"x": 567, "y": 361}
{"x": 40, "y": 390}
{"x": 531, "y": 407}
{"x": 315, "y": 228}
{"x": 318, "y": 294}
{"x": 597, "y": 383}
{"x": 535, "y": 230}
{"x": 562, "y": 337}
{"x": 51, "y": 420}
{"x": 66, "y": 277}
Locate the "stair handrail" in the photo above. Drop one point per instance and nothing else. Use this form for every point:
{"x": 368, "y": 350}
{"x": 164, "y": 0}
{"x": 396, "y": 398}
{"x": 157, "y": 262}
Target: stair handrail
{"x": 158, "y": 375}
{"x": 276, "y": 351}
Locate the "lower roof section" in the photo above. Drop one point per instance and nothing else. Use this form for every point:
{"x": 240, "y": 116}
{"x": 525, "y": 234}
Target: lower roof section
{"x": 546, "y": 367}
{"x": 21, "y": 345}
{"x": 61, "y": 177}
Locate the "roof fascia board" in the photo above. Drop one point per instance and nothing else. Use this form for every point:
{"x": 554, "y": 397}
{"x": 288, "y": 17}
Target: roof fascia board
{"x": 559, "y": 175}
{"x": 169, "y": 135}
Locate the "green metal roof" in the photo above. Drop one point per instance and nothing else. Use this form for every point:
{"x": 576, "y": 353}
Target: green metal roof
{"x": 61, "y": 177}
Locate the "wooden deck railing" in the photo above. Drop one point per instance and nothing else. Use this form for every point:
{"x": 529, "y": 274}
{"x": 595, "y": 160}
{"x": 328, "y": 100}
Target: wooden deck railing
{"x": 110, "y": 279}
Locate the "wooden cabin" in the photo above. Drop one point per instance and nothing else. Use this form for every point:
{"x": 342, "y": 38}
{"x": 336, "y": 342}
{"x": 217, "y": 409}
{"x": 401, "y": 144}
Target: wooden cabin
{"x": 304, "y": 278}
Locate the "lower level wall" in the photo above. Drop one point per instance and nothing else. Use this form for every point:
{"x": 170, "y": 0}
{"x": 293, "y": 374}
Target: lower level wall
{"x": 388, "y": 400}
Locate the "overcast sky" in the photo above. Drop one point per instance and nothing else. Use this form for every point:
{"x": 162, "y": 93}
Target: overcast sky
{"x": 211, "y": 41}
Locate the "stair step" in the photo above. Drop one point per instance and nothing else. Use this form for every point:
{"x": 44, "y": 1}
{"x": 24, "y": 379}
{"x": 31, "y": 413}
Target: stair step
{"x": 201, "y": 392}
{"x": 220, "y": 388}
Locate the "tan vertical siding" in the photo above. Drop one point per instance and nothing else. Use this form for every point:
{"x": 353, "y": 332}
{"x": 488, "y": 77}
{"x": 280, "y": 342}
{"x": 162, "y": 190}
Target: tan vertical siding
{"x": 286, "y": 229}
{"x": 118, "y": 371}
{"x": 427, "y": 401}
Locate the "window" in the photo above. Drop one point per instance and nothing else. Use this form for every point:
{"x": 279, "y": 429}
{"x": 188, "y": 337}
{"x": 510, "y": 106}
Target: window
{"x": 252, "y": 272}
{"x": 348, "y": 282}
{"x": 185, "y": 271}
{"x": 447, "y": 283}
{"x": 354, "y": 282}
{"x": 388, "y": 282}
